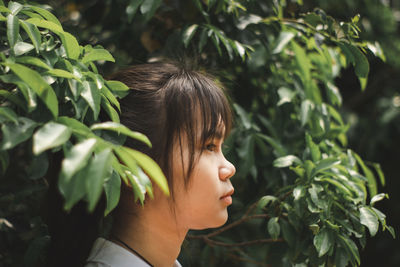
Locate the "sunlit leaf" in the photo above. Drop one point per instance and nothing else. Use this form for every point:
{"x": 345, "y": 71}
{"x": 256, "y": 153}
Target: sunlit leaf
{"x": 369, "y": 219}
{"x": 50, "y": 135}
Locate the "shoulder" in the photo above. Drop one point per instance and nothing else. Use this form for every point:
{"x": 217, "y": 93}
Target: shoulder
{"x": 105, "y": 253}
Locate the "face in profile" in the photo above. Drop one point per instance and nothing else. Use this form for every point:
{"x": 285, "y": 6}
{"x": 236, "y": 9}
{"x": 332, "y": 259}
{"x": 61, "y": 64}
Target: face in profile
{"x": 203, "y": 202}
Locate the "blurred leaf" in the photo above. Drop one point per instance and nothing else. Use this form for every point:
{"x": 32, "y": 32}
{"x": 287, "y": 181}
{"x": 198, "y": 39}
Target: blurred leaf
{"x": 61, "y": 73}
{"x": 112, "y": 187}
{"x": 76, "y": 158}
{"x": 16, "y": 133}
{"x": 273, "y": 227}
{"x": 149, "y": 7}
{"x": 7, "y": 114}
{"x": 377, "y": 198}
{"x": 98, "y": 172}
{"x": 49, "y": 136}
{"x": 111, "y": 112}
{"x": 281, "y": 42}
{"x": 286, "y": 161}
{"x": 118, "y": 88}
{"x": 150, "y": 167}
{"x": 189, "y": 33}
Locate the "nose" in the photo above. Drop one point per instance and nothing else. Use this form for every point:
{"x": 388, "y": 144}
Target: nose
{"x": 227, "y": 170}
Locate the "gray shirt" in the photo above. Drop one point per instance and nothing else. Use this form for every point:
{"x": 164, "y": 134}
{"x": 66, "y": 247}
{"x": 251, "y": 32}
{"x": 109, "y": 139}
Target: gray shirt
{"x": 105, "y": 253}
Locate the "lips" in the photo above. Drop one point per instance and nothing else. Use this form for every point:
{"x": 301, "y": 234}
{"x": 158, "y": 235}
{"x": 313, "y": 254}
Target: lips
{"x": 227, "y": 197}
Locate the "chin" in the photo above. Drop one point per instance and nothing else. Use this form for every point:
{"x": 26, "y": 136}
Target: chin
{"x": 216, "y": 222}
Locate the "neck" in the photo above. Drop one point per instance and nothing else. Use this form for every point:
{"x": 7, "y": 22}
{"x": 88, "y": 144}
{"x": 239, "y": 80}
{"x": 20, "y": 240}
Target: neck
{"x": 153, "y": 233}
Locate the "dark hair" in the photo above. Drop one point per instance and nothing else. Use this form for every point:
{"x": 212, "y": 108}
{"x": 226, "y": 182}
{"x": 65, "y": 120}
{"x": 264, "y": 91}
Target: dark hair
{"x": 166, "y": 102}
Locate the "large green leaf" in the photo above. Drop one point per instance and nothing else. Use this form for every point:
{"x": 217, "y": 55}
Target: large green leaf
{"x": 33, "y": 61}
{"x": 38, "y": 84}
{"x": 7, "y": 114}
{"x": 98, "y": 172}
{"x": 76, "y": 158}
{"x": 12, "y": 29}
{"x": 50, "y": 135}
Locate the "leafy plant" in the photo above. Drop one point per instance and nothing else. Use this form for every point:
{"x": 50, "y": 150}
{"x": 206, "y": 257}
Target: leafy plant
{"x": 303, "y": 198}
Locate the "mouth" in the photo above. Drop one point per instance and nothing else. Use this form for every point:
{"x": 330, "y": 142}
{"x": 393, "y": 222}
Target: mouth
{"x": 227, "y": 198}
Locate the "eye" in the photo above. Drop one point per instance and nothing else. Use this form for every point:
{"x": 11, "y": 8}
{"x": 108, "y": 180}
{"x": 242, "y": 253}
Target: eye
{"x": 211, "y": 147}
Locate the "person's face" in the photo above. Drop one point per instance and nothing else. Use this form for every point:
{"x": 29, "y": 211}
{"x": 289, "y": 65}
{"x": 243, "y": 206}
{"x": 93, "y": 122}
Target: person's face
{"x": 203, "y": 204}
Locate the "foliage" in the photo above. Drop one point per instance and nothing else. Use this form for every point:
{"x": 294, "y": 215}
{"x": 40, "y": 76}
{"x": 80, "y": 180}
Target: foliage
{"x": 302, "y": 196}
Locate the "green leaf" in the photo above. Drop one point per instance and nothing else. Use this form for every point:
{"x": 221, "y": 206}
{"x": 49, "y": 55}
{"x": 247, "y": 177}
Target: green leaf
{"x": 273, "y": 227}
{"x": 305, "y": 113}
{"x": 112, "y": 187}
{"x": 303, "y": 62}
{"x": 286, "y": 161}
{"x": 149, "y": 7}
{"x": 92, "y": 96}
{"x": 323, "y": 242}
{"x": 121, "y": 129}
{"x": 7, "y": 114}
{"x": 118, "y": 88}
{"x": 111, "y": 112}
{"x": 351, "y": 247}
{"x": 380, "y": 173}
{"x": 21, "y": 48}
{"x": 98, "y": 172}
{"x": 360, "y": 61}
{"x": 325, "y": 164}
{"x": 49, "y": 136}
{"x": 265, "y": 200}
{"x": 69, "y": 41}
{"x": 372, "y": 186}
{"x": 16, "y": 133}
{"x": 150, "y": 167}
{"x": 33, "y": 34}
{"x": 46, "y": 14}
{"x": 12, "y": 30}
{"x": 97, "y": 54}
{"x": 76, "y": 126}
{"x": 377, "y": 198}
{"x": 46, "y": 24}
{"x": 62, "y": 74}
{"x": 283, "y": 39}
{"x": 14, "y": 7}
{"x": 38, "y": 84}
{"x": 76, "y": 158}
{"x": 111, "y": 98}
{"x": 33, "y": 61}
{"x": 369, "y": 219}
{"x": 73, "y": 188}
{"x": 314, "y": 149}
{"x": 71, "y": 45}
{"x": 189, "y": 33}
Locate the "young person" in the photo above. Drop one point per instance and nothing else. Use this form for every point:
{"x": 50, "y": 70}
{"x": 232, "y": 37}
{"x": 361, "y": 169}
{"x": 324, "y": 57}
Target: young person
{"x": 186, "y": 116}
